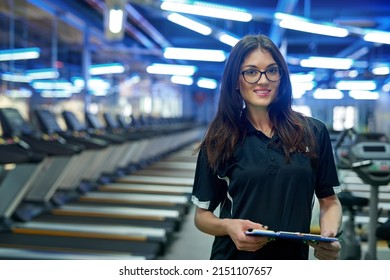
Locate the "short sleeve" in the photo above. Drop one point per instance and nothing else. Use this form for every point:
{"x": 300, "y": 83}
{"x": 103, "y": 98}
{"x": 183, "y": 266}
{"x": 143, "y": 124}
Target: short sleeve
{"x": 208, "y": 189}
{"x": 326, "y": 178}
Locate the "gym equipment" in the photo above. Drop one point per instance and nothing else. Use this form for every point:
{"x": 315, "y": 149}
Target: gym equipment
{"x": 14, "y": 125}
{"x": 383, "y": 231}
{"x": 14, "y": 184}
{"x": 121, "y": 223}
{"x": 368, "y": 155}
{"x": 351, "y": 248}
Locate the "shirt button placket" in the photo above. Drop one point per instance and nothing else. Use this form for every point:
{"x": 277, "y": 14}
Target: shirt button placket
{"x": 273, "y": 169}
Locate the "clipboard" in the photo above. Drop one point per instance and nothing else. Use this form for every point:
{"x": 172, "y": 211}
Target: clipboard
{"x": 290, "y": 235}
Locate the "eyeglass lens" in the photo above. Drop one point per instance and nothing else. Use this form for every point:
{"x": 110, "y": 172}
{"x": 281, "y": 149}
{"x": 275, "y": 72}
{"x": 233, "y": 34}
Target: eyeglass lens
{"x": 253, "y": 76}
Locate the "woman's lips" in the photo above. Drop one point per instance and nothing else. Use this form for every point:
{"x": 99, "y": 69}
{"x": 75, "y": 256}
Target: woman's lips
{"x": 262, "y": 91}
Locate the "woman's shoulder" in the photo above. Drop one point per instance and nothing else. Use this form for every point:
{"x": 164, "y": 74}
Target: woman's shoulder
{"x": 315, "y": 123}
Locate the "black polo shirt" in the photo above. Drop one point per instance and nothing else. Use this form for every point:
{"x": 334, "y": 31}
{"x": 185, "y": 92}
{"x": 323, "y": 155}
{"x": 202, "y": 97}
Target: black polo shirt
{"x": 260, "y": 185}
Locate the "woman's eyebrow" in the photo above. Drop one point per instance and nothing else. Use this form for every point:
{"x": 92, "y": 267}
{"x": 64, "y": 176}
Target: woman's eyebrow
{"x": 254, "y": 66}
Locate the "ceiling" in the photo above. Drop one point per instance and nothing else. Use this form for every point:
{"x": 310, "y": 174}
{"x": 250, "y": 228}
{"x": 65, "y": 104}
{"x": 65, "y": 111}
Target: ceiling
{"x": 59, "y": 29}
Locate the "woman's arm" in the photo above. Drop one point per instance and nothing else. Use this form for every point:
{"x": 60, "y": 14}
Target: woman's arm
{"x": 330, "y": 215}
{"x": 208, "y": 223}
{"x": 330, "y": 220}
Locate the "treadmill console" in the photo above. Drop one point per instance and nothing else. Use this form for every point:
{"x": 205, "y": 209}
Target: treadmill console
{"x": 368, "y": 154}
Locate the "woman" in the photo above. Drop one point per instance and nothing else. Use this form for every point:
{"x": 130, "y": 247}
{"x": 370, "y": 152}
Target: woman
{"x": 261, "y": 163}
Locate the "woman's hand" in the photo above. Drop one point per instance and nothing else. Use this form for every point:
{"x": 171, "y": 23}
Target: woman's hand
{"x": 326, "y": 250}
{"x": 236, "y": 229}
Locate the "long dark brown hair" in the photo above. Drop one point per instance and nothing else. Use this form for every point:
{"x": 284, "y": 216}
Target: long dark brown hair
{"x": 227, "y": 128}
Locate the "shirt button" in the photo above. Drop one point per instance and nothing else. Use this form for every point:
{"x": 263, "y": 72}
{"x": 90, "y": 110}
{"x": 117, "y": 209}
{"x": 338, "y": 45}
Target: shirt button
{"x": 272, "y": 158}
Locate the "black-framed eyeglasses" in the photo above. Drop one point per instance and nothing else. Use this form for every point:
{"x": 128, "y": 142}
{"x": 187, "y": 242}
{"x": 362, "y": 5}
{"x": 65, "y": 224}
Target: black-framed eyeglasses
{"x": 252, "y": 76}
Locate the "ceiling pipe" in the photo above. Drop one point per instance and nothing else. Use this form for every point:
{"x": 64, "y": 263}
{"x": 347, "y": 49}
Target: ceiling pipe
{"x": 276, "y": 32}
{"x": 149, "y": 29}
{"x": 68, "y": 15}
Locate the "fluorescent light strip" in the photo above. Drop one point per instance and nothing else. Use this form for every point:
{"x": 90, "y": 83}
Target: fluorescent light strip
{"x": 381, "y": 70}
{"x": 208, "y": 10}
{"x": 94, "y": 84}
{"x": 314, "y": 28}
{"x": 16, "y": 78}
{"x": 228, "y": 39}
{"x": 328, "y": 94}
{"x": 111, "y": 68}
{"x": 52, "y": 85}
{"x": 356, "y": 85}
{"x": 306, "y": 25}
{"x": 380, "y": 37}
{"x": 19, "y": 54}
{"x": 171, "y": 69}
{"x": 115, "y": 23}
{"x": 364, "y": 94}
{"x": 182, "y": 80}
{"x": 327, "y": 62}
{"x": 195, "y": 54}
{"x": 207, "y": 83}
{"x": 19, "y": 93}
{"x": 48, "y": 73}
{"x": 56, "y": 93}
{"x": 189, "y": 23}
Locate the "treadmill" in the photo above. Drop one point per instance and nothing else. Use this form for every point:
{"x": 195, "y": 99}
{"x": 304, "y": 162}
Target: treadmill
{"x": 71, "y": 212}
{"x": 78, "y": 228}
{"x": 139, "y": 198}
{"x": 367, "y": 154}
{"x": 155, "y": 183}
{"x": 19, "y": 167}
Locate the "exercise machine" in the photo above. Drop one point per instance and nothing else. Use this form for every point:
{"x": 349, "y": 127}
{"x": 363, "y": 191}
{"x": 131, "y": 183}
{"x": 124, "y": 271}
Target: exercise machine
{"x": 368, "y": 155}
{"x": 24, "y": 167}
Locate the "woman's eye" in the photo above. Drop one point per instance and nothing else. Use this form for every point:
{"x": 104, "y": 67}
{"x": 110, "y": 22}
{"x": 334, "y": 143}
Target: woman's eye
{"x": 251, "y": 72}
{"x": 272, "y": 70}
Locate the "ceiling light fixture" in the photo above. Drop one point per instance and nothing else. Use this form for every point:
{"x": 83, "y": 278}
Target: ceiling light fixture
{"x": 228, "y": 39}
{"x": 115, "y": 22}
{"x": 381, "y": 70}
{"x": 207, "y": 83}
{"x": 16, "y": 78}
{"x": 109, "y": 68}
{"x": 331, "y": 93}
{"x": 327, "y": 62}
{"x": 171, "y": 69}
{"x": 182, "y": 80}
{"x": 380, "y": 37}
{"x": 306, "y": 25}
{"x": 19, "y": 54}
{"x": 19, "y": 93}
{"x": 52, "y": 85}
{"x": 189, "y": 23}
{"x": 115, "y": 16}
{"x": 356, "y": 85}
{"x": 364, "y": 94}
{"x": 206, "y": 9}
{"x": 195, "y": 54}
{"x": 38, "y": 74}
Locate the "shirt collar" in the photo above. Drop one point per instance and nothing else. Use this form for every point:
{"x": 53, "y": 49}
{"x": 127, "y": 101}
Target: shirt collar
{"x": 251, "y": 130}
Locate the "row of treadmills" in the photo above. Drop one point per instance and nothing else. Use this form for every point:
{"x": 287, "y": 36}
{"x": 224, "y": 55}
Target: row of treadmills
{"x": 96, "y": 190}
